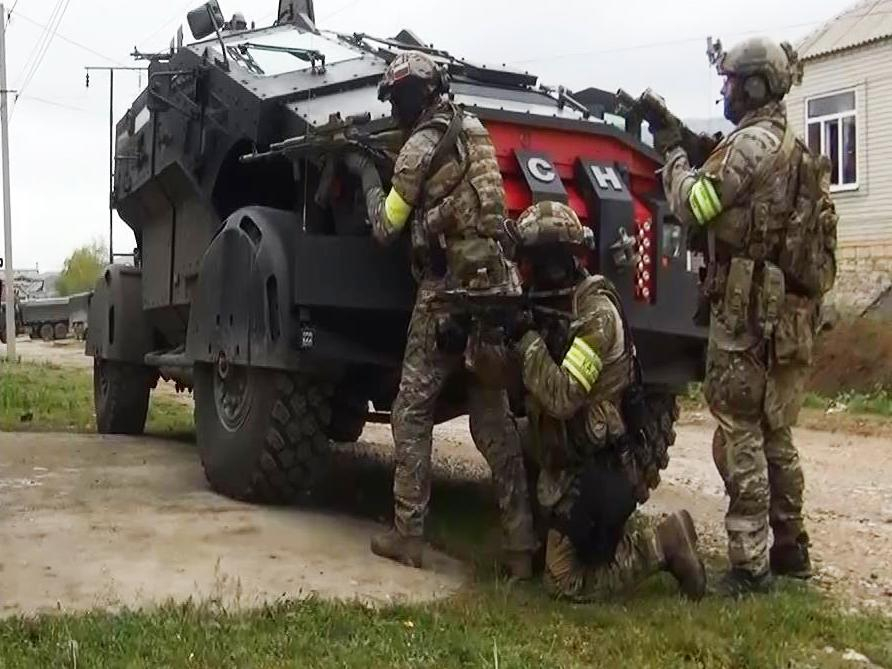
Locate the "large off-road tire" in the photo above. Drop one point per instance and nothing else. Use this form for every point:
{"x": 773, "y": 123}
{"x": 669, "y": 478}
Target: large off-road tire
{"x": 659, "y": 428}
{"x": 348, "y": 418}
{"x": 121, "y": 396}
{"x": 60, "y": 330}
{"x": 262, "y": 434}
{"x": 47, "y": 333}
{"x": 3, "y": 336}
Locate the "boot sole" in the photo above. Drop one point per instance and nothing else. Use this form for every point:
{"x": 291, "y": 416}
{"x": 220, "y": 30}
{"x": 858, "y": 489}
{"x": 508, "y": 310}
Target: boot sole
{"x": 690, "y": 590}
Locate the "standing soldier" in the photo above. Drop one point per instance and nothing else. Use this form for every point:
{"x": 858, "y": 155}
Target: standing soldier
{"x": 761, "y": 202}
{"x": 448, "y": 175}
{"x": 594, "y": 472}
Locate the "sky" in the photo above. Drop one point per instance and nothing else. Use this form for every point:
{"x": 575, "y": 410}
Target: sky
{"x": 59, "y": 127}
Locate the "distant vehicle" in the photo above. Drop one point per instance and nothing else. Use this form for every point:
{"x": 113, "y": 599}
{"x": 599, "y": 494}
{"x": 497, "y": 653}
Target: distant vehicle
{"x": 280, "y": 311}
{"x": 52, "y": 318}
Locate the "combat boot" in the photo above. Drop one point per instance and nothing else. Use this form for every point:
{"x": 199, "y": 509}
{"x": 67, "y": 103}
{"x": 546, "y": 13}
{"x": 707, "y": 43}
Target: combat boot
{"x": 791, "y": 560}
{"x": 738, "y": 583}
{"x": 518, "y": 564}
{"x": 394, "y": 546}
{"x": 677, "y": 537}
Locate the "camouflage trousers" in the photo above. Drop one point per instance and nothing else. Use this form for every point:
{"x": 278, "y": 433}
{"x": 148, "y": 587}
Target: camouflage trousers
{"x": 637, "y": 556}
{"x": 755, "y": 407}
{"x": 425, "y": 372}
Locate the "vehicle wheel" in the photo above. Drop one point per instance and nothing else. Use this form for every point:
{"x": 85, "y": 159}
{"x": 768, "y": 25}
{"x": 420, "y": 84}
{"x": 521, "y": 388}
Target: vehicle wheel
{"x": 60, "y": 330}
{"x": 348, "y": 418}
{"x": 2, "y": 336}
{"x": 261, "y": 433}
{"x": 121, "y": 396}
{"x": 34, "y": 333}
{"x": 661, "y": 413}
{"x": 47, "y": 332}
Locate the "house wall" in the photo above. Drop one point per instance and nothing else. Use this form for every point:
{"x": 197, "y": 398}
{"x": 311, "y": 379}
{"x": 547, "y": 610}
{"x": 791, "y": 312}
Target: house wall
{"x": 865, "y": 228}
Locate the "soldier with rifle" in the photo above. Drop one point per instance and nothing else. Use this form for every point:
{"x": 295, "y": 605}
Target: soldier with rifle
{"x": 761, "y": 202}
{"x": 448, "y": 189}
{"x": 582, "y": 381}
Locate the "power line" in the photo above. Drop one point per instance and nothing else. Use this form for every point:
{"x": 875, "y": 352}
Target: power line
{"x": 32, "y": 55}
{"x": 46, "y": 47}
{"x": 70, "y": 41}
{"x": 164, "y": 25}
{"x": 685, "y": 40}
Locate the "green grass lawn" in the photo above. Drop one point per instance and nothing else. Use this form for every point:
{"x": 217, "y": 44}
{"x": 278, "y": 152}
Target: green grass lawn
{"x": 44, "y": 397}
{"x": 490, "y": 625}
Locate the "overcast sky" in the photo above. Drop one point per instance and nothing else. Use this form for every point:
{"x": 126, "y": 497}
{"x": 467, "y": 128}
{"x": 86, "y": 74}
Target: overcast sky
{"x": 59, "y": 128}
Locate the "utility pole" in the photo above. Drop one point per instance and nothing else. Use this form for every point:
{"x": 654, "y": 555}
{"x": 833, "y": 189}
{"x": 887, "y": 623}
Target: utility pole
{"x": 7, "y": 208}
{"x": 111, "y": 151}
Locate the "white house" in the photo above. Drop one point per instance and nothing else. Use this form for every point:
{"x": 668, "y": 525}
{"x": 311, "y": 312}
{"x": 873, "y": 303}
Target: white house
{"x": 844, "y": 109}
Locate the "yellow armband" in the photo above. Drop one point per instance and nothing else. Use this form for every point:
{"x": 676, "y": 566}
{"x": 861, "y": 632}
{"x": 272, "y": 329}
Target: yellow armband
{"x": 397, "y": 210}
{"x": 583, "y": 364}
{"x": 705, "y": 201}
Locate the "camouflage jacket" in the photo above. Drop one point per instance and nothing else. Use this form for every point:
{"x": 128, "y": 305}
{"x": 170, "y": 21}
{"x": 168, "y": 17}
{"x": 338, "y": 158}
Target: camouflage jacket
{"x": 568, "y": 421}
{"x": 743, "y": 197}
{"x": 460, "y": 206}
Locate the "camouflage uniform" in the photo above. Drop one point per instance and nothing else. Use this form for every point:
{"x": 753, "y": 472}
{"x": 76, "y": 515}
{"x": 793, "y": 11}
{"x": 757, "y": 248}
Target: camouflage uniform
{"x": 572, "y": 424}
{"x": 574, "y": 418}
{"x": 760, "y": 342}
{"x": 459, "y": 203}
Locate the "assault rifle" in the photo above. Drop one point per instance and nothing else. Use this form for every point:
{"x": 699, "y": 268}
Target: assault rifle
{"x": 652, "y": 108}
{"x": 325, "y": 144}
{"x": 497, "y": 312}
{"x": 335, "y": 137}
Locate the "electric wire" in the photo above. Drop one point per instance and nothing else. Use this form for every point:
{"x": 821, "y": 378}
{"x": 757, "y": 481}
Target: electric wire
{"x": 46, "y": 46}
{"x": 70, "y": 41}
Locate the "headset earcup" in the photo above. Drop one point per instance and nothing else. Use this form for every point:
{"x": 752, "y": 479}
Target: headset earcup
{"x": 756, "y": 89}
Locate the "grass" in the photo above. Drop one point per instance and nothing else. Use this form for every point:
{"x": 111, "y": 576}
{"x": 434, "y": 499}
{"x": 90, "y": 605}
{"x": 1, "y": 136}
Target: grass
{"x": 490, "y": 625}
{"x": 875, "y": 403}
{"x": 878, "y": 402}
{"x": 43, "y": 397}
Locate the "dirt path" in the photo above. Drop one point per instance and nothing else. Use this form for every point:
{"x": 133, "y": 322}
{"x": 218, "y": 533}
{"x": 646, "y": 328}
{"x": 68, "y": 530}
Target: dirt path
{"x": 91, "y": 521}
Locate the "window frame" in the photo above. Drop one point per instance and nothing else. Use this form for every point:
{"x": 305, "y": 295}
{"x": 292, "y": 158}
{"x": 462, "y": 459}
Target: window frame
{"x": 839, "y": 118}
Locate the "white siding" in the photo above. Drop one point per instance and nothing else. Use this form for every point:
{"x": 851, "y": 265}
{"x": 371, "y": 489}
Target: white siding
{"x": 865, "y": 213}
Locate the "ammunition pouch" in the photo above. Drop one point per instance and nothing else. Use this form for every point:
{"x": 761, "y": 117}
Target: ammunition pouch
{"x": 794, "y": 334}
{"x": 771, "y": 299}
{"x": 734, "y": 312}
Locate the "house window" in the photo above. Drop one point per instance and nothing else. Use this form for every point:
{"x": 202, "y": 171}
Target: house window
{"x": 832, "y": 131}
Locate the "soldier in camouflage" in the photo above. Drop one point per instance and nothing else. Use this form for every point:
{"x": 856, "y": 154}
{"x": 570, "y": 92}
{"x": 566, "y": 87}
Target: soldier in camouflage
{"x": 762, "y": 322}
{"x": 574, "y": 379}
{"x": 447, "y": 174}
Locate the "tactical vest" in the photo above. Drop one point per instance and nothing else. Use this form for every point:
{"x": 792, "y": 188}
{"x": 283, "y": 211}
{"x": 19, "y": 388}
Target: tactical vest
{"x": 774, "y": 253}
{"x": 464, "y": 201}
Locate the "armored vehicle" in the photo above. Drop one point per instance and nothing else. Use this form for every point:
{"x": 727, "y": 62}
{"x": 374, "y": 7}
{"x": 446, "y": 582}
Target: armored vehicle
{"x": 277, "y": 307}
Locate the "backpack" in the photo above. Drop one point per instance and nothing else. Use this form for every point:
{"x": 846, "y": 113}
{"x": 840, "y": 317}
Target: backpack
{"x": 808, "y": 248}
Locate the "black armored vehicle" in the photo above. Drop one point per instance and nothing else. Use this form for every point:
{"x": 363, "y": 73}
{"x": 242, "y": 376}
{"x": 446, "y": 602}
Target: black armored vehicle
{"x": 276, "y": 306}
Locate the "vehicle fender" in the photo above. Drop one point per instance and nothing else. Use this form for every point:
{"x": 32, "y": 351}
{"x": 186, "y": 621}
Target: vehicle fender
{"x": 119, "y": 329}
{"x": 241, "y": 308}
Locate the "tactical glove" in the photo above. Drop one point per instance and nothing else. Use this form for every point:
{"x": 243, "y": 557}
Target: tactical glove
{"x": 666, "y": 139}
{"x": 517, "y": 327}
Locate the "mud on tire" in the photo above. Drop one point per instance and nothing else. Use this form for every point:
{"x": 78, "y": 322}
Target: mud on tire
{"x": 273, "y": 449}
{"x": 121, "y": 396}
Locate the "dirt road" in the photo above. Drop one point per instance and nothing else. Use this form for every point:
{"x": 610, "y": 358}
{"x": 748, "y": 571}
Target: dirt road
{"x": 95, "y": 521}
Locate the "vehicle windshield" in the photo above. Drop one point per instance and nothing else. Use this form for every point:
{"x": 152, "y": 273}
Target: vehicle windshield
{"x": 291, "y": 51}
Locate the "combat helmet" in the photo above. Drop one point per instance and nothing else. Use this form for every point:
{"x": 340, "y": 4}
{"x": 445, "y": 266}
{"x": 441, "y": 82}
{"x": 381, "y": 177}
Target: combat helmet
{"x": 777, "y": 64}
{"x": 411, "y": 65}
{"x": 551, "y": 223}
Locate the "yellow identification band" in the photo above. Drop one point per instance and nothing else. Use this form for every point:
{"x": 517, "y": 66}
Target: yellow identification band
{"x": 705, "y": 201}
{"x": 583, "y": 364}
{"x": 397, "y": 210}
